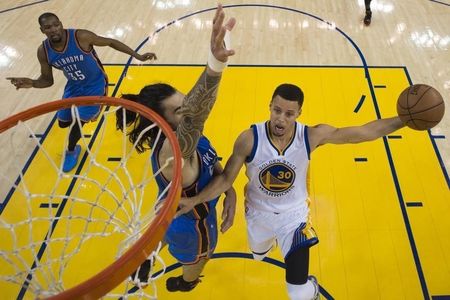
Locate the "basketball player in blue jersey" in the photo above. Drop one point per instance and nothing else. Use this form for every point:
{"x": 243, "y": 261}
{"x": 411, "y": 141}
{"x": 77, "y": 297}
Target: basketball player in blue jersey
{"x": 192, "y": 237}
{"x": 72, "y": 51}
{"x": 276, "y": 154}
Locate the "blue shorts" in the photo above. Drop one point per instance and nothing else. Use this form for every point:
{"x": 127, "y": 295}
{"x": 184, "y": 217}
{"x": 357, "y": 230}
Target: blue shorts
{"x": 190, "y": 239}
{"x": 87, "y": 113}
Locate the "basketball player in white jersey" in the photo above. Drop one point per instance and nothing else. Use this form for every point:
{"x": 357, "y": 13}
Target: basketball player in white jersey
{"x": 276, "y": 154}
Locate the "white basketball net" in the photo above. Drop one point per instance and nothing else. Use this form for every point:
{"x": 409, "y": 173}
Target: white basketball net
{"x": 59, "y": 224}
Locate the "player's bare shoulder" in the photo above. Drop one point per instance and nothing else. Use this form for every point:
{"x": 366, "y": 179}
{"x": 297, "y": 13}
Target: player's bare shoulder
{"x": 86, "y": 39}
{"x": 244, "y": 143}
{"x": 318, "y": 134}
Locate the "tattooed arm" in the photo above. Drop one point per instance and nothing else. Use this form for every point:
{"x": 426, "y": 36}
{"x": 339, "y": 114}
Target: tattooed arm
{"x": 199, "y": 101}
{"x": 195, "y": 109}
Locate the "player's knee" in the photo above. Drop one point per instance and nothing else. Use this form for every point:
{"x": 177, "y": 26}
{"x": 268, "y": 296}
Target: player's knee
{"x": 297, "y": 266}
{"x": 301, "y": 291}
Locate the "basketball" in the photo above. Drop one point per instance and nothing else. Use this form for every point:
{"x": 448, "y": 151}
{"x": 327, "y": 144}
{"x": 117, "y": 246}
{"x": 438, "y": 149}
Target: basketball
{"x": 420, "y": 107}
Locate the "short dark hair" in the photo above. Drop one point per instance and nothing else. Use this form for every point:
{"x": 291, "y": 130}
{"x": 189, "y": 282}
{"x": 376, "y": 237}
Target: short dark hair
{"x": 46, "y": 16}
{"x": 151, "y": 96}
{"x": 289, "y": 92}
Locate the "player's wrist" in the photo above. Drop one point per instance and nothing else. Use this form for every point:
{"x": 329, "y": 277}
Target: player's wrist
{"x": 214, "y": 64}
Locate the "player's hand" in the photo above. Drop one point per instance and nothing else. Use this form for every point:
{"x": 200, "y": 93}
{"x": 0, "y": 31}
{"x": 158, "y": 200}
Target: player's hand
{"x": 147, "y": 56}
{"x": 185, "y": 205}
{"x": 228, "y": 213}
{"x": 218, "y": 48}
{"x": 21, "y": 82}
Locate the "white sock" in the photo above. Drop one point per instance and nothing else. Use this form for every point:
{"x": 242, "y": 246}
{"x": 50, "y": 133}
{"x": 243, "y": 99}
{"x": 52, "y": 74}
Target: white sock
{"x": 301, "y": 291}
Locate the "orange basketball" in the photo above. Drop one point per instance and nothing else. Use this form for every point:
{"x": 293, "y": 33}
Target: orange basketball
{"x": 420, "y": 107}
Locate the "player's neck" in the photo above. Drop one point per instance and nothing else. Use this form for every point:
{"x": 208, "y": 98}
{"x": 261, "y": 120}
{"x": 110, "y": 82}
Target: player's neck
{"x": 281, "y": 141}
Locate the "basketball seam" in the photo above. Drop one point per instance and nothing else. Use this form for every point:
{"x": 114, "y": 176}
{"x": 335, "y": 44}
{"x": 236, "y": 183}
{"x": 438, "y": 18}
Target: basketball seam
{"x": 418, "y": 112}
{"x": 423, "y": 120}
{"x": 409, "y": 112}
{"x": 418, "y": 100}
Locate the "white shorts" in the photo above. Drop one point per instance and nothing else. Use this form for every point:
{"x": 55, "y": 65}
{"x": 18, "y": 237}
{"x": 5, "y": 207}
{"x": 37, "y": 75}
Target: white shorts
{"x": 263, "y": 228}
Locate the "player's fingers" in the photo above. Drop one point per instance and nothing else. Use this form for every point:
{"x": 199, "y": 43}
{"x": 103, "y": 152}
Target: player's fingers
{"x": 218, "y": 43}
{"x": 225, "y": 226}
{"x": 219, "y": 9}
{"x": 229, "y": 52}
{"x": 217, "y": 26}
{"x": 230, "y": 24}
{"x": 179, "y": 213}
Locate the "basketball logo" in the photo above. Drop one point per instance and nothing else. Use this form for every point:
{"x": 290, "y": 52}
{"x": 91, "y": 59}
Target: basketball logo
{"x": 277, "y": 177}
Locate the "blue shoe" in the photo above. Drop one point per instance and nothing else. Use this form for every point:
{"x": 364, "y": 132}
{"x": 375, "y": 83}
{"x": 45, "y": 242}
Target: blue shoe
{"x": 71, "y": 159}
{"x": 313, "y": 279}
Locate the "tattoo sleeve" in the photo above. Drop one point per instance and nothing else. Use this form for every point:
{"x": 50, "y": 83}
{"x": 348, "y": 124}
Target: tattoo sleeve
{"x": 195, "y": 109}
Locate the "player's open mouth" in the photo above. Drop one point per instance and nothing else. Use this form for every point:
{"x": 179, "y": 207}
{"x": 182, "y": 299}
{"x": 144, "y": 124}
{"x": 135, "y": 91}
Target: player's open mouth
{"x": 279, "y": 129}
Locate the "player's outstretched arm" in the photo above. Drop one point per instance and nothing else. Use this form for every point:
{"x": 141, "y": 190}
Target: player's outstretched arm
{"x": 44, "y": 80}
{"x": 222, "y": 182}
{"x": 89, "y": 39}
{"x": 199, "y": 101}
{"x": 229, "y": 203}
{"x": 326, "y": 134}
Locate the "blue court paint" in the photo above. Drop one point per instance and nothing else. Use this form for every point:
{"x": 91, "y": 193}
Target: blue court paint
{"x": 238, "y": 255}
{"x": 442, "y": 297}
{"x": 414, "y": 204}
{"x": 39, "y": 135}
{"x": 26, "y": 166}
{"x": 111, "y": 84}
{"x": 406, "y": 221}
{"x": 360, "y": 103}
{"x": 435, "y": 147}
{"x": 87, "y": 135}
{"x": 438, "y": 137}
{"x": 47, "y": 205}
{"x": 379, "y": 86}
{"x": 360, "y": 159}
{"x": 369, "y": 81}
{"x": 394, "y": 137}
{"x": 114, "y": 158}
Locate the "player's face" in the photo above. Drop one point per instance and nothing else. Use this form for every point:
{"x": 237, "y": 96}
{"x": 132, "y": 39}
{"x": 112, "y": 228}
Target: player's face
{"x": 172, "y": 109}
{"x": 283, "y": 114}
{"x": 53, "y": 29}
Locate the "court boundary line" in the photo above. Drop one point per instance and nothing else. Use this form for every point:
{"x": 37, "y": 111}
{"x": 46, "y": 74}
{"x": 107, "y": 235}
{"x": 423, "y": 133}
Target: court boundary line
{"x": 433, "y": 140}
{"x": 22, "y": 6}
{"x": 100, "y": 123}
{"x": 244, "y": 255}
{"x": 439, "y": 2}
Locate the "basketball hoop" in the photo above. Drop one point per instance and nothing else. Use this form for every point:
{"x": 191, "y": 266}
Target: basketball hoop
{"x": 109, "y": 208}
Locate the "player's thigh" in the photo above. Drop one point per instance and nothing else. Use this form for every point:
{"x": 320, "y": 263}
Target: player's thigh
{"x": 260, "y": 234}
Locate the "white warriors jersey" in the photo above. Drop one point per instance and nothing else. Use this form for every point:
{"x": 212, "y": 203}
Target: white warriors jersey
{"x": 277, "y": 177}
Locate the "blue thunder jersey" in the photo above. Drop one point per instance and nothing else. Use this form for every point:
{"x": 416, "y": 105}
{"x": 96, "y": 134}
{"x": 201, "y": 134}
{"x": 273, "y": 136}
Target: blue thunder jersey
{"x": 194, "y": 234}
{"x": 83, "y": 70}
